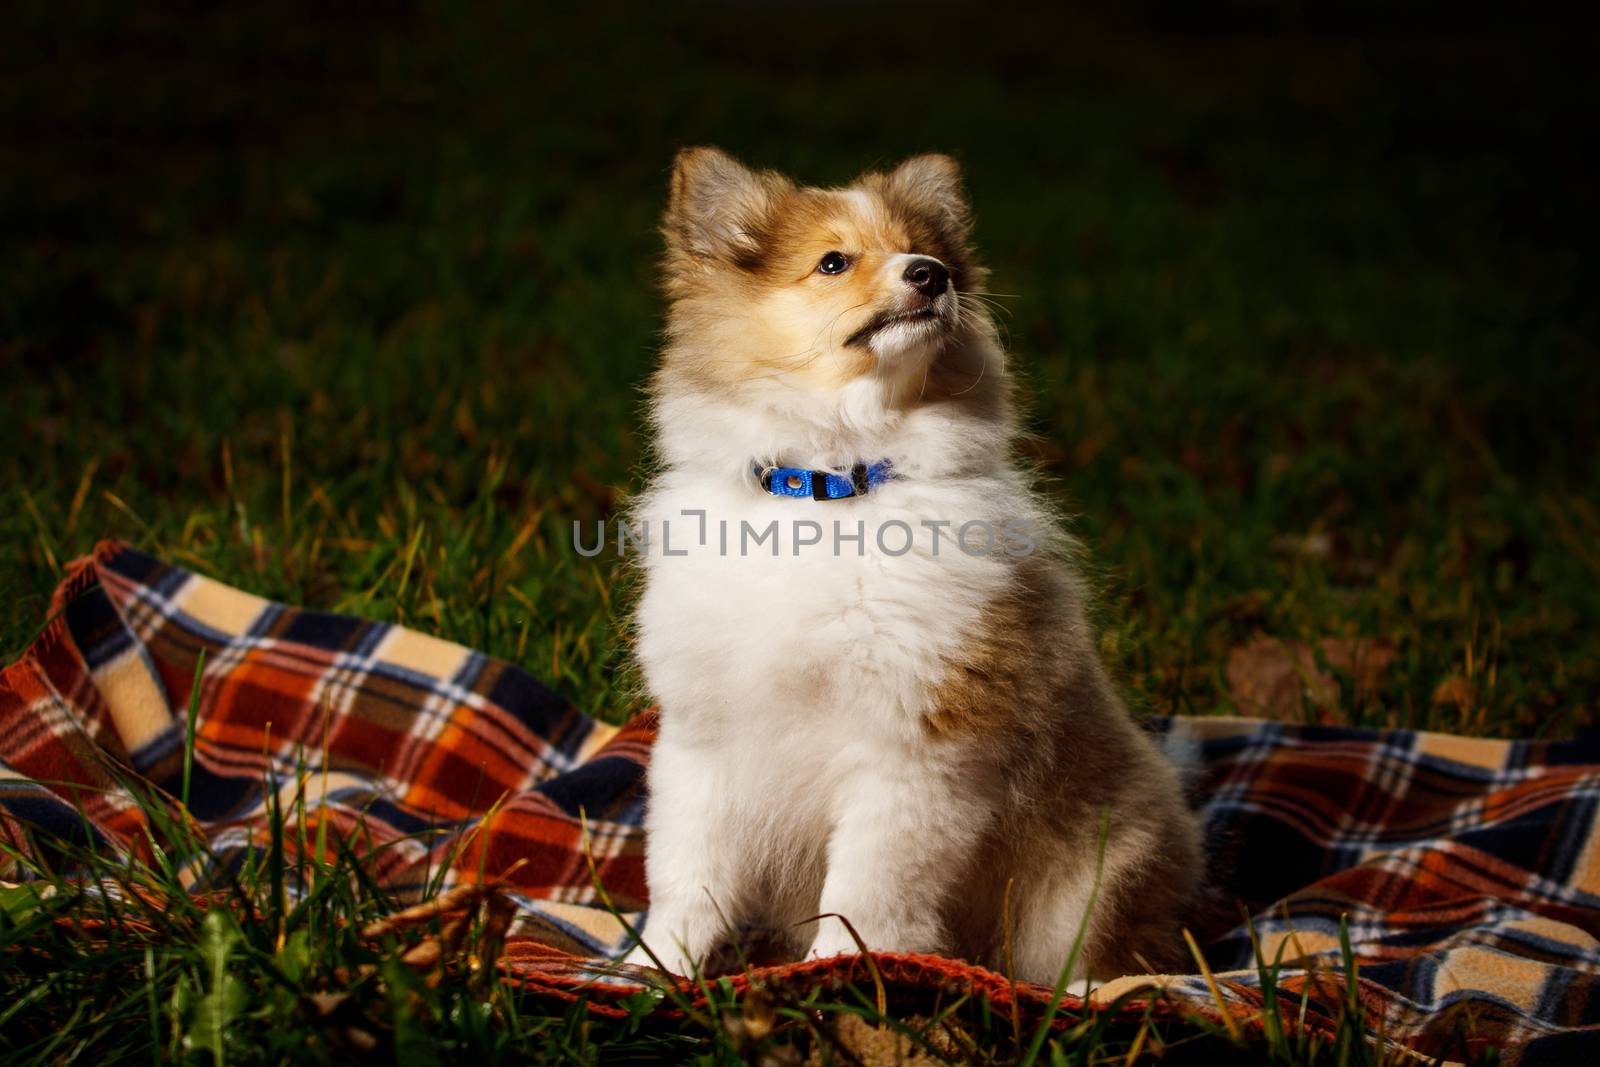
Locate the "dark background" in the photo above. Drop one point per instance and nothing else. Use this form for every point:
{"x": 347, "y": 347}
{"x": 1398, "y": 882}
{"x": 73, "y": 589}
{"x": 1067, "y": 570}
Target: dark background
{"x": 351, "y": 306}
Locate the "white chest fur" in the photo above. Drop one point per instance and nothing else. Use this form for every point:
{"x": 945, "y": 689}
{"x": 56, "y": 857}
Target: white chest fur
{"x": 793, "y": 612}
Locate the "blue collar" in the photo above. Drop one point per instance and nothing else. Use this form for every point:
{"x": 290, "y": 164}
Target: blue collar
{"x": 823, "y": 485}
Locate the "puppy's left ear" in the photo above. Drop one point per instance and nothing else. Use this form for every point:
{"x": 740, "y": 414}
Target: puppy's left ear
{"x": 931, "y": 185}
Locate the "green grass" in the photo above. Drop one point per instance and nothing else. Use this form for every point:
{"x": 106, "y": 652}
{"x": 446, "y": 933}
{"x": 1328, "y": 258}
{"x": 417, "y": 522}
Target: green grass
{"x": 352, "y": 311}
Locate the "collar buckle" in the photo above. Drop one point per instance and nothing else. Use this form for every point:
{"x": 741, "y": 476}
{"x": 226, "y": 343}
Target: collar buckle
{"x": 821, "y": 485}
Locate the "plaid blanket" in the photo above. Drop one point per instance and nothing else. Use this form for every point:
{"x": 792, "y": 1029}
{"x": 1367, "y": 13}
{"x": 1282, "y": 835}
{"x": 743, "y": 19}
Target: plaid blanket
{"x": 1468, "y": 871}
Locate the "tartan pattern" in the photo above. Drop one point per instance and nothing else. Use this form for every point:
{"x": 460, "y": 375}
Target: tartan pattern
{"x": 1468, "y": 870}
{"x": 443, "y": 761}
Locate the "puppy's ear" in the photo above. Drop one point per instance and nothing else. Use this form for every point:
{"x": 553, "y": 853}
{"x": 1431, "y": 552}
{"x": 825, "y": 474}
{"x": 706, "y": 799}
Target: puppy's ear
{"x": 931, "y": 186}
{"x": 718, "y": 206}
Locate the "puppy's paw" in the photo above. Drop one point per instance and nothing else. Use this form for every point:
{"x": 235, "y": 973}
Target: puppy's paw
{"x": 832, "y": 942}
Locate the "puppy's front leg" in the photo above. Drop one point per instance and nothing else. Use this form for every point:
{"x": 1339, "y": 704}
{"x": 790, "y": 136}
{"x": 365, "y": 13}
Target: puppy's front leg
{"x": 695, "y": 861}
{"x": 901, "y": 840}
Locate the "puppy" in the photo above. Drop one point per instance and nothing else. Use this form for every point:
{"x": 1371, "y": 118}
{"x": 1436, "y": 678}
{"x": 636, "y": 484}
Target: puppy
{"x": 879, "y": 694}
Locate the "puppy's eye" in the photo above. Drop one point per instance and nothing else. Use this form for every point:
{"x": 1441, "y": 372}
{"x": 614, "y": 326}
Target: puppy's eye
{"x": 834, "y": 263}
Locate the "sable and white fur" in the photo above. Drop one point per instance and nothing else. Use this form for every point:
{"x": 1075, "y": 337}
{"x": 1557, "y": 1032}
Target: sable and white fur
{"x": 890, "y": 738}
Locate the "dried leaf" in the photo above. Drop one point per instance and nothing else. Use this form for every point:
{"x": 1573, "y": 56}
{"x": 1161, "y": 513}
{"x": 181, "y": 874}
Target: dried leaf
{"x": 423, "y": 955}
{"x": 453, "y": 899}
{"x": 1454, "y": 691}
{"x": 874, "y": 1046}
{"x": 1277, "y": 679}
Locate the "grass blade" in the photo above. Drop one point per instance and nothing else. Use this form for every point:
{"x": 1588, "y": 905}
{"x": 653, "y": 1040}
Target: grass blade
{"x": 189, "y": 729}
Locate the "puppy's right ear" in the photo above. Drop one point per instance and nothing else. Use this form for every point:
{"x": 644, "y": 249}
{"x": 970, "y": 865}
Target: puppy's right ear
{"x": 718, "y": 206}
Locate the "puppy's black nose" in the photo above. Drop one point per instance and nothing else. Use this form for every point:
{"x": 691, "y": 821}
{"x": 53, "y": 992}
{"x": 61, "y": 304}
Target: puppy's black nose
{"x": 927, "y": 276}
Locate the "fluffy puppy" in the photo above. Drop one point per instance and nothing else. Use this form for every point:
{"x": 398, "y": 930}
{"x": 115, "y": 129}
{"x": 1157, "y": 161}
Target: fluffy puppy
{"x": 879, "y": 693}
